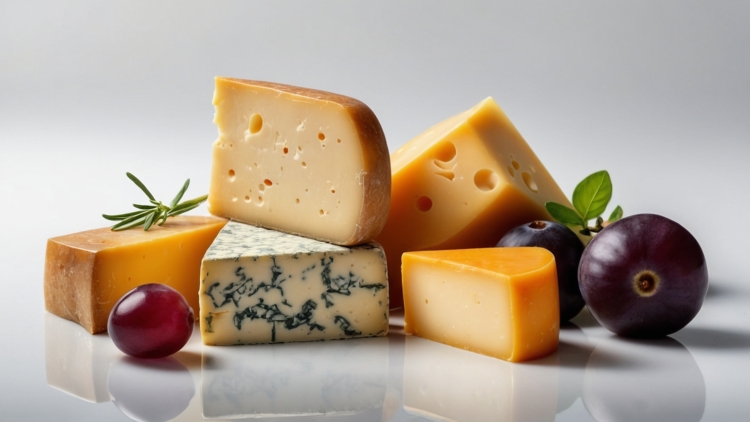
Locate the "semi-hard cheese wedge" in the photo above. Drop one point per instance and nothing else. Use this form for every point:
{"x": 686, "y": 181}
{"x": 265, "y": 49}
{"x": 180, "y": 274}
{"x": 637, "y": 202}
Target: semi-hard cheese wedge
{"x": 500, "y": 302}
{"x": 86, "y": 273}
{"x": 265, "y": 286}
{"x": 463, "y": 184}
{"x": 298, "y": 160}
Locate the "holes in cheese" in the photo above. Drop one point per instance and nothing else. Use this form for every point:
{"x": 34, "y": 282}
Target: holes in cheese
{"x": 485, "y": 180}
{"x": 424, "y": 203}
{"x": 290, "y": 125}
{"x": 256, "y": 123}
{"x": 471, "y": 167}
{"x": 501, "y": 302}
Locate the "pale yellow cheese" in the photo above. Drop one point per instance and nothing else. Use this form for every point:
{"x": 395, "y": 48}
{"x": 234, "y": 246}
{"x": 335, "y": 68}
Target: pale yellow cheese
{"x": 86, "y": 273}
{"x": 463, "y": 184}
{"x": 501, "y": 302}
{"x": 297, "y": 160}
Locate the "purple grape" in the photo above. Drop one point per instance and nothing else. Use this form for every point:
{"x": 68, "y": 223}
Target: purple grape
{"x": 567, "y": 249}
{"x": 643, "y": 276}
{"x": 151, "y": 321}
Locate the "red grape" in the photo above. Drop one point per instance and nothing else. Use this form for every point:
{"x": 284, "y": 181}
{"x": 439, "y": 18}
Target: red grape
{"x": 151, "y": 321}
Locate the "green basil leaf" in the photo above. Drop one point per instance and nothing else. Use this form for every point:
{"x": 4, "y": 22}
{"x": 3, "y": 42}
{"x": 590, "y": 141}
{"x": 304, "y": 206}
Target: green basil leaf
{"x": 592, "y": 195}
{"x": 616, "y": 215}
{"x": 563, "y": 214}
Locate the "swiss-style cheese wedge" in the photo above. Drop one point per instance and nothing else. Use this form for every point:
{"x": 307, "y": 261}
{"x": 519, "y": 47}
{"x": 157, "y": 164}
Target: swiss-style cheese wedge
{"x": 86, "y": 273}
{"x": 463, "y": 184}
{"x": 500, "y": 302}
{"x": 301, "y": 161}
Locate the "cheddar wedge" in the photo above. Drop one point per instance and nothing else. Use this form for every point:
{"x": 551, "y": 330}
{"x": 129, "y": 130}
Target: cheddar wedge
{"x": 500, "y": 302}
{"x": 86, "y": 273}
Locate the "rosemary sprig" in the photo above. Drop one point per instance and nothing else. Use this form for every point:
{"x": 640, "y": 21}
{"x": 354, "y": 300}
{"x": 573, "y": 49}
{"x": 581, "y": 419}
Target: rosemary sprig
{"x": 155, "y": 212}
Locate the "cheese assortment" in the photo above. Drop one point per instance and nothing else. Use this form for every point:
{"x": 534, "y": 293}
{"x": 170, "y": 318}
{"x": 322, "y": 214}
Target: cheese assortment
{"x": 265, "y": 286}
{"x": 463, "y": 184}
{"x": 501, "y": 302}
{"x": 300, "y": 161}
{"x": 86, "y": 273}
{"x": 306, "y": 179}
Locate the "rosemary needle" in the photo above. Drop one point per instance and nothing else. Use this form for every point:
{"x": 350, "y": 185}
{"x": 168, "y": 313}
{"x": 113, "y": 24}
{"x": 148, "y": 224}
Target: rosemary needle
{"x": 154, "y": 212}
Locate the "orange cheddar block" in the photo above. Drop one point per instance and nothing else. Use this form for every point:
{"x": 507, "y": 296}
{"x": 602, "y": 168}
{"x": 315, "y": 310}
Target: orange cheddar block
{"x": 500, "y": 302}
{"x": 463, "y": 184}
{"x": 86, "y": 273}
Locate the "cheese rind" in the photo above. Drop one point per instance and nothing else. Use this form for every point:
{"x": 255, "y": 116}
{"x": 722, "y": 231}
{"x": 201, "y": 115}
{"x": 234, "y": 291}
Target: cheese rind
{"x": 501, "y": 302}
{"x": 264, "y": 286}
{"x": 463, "y": 184}
{"x": 86, "y": 273}
{"x": 298, "y": 160}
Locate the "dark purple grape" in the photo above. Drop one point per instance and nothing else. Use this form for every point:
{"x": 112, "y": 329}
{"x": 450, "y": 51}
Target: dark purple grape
{"x": 567, "y": 249}
{"x": 151, "y": 321}
{"x": 643, "y": 276}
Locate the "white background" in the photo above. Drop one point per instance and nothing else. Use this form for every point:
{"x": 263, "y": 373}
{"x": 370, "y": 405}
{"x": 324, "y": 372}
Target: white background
{"x": 657, "y": 93}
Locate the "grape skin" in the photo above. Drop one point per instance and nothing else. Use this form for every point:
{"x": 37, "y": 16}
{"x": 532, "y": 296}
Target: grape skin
{"x": 151, "y": 321}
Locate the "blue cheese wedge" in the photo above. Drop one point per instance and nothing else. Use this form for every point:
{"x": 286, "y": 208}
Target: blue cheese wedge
{"x": 263, "y": 286}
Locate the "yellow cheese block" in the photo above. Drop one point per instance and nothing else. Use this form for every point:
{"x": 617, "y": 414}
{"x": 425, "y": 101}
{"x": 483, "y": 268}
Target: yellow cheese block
{"x": 86, "y": 273}
{"x": 301, "y": 161}
{"x": 463, "y": 184}
{"x": 500, "y": 302}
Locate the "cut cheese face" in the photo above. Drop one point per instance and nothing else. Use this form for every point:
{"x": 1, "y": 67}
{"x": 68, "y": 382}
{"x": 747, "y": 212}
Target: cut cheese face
{"x": 264, "y": 286}
{"x": 500, "y": 302}
{"x": 300, "y": 161}
{"x": 463, "y": 184}
{"x": 86, "y": 273}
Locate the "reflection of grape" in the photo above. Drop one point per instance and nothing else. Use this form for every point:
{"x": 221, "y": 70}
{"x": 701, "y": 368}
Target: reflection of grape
{"x": 151, "y": 321}
{"x": 150, "y": 390}
{"x": 654, "y": 380}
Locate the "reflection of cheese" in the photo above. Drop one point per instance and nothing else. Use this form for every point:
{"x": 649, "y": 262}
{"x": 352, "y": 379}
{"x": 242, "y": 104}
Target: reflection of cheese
{"x": 444, "y": 383}
{"x": 298, "y": 160}
{"x": 86, "y": 273}
{"x": 501, "y": 302}
{"x": 75, "y": 361}
{"x": 338, "y": 378}
{"x": 264, "y": 286}
{"x": 463, "y": 184}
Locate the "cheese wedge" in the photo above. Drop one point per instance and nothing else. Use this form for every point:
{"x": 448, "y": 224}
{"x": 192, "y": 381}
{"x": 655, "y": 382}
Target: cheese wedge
{"x": 500, "y": 302}
{"x": 86, "y": 273}
{"x": 301, "y": 161}
{"x": 463, "y": 184}
{"x": 264, "y": 286}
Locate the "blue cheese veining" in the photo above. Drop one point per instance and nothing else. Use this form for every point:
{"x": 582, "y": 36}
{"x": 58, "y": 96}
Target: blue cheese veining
{"x": 263, "y": 286}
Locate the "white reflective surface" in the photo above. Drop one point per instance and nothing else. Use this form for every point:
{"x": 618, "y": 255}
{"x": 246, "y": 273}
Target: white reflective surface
{"x": 654, "y": 92}
{"x": 593, "y": 376}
